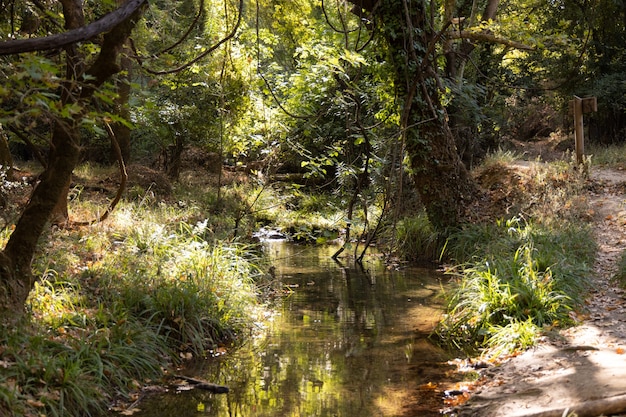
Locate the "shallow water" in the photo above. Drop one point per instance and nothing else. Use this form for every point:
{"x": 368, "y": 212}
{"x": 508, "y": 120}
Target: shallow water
{"x": 343, "y": 343}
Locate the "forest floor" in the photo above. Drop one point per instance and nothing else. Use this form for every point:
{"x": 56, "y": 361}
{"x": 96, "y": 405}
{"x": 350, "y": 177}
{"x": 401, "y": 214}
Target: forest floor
{"x": 579, "y": 371}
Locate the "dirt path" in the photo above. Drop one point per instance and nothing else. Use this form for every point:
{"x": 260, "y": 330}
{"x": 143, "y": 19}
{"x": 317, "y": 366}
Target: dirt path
{"x": 583, "y": 363}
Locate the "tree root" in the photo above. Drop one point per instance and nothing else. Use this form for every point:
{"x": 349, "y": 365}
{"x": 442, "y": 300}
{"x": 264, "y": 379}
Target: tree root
{"x": 605, "y": 406}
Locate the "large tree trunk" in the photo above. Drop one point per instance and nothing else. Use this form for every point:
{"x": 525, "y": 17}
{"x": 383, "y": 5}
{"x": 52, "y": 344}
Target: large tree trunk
{"x": 442, "y": 181}
{"x": 16, "y": 278}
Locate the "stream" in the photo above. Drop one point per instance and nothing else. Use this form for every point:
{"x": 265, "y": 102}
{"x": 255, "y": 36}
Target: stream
{"x": 342, "y": 343}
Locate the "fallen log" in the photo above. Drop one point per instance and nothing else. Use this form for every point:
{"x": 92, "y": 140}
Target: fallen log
{"x": 605, "y": 406}
{"x": 207, "y": 386}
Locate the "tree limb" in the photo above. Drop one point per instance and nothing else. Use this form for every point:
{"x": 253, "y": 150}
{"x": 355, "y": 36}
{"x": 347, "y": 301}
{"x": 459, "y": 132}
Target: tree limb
{"x": 84, "y": 33}
{"x": 488, "y": 37}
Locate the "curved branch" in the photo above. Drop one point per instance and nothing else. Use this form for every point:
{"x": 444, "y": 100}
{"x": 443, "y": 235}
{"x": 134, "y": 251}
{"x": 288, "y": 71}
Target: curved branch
{"x": 336, "y": 29}
{"x": 488, "y": 37}
{"x": 222, "y": 41}
{"x": 105, "y": 24}
{"x": 123, "y": 180}
{"x": 193, "y": 25}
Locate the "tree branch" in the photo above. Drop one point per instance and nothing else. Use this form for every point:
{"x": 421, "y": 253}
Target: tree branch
{"x": 84, "y": 33}
{"x": 222, "y": 41}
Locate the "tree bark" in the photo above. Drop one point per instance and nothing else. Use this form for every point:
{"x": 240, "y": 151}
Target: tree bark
{"x": 441, "y": 179}
{"x": 16, "y": 278}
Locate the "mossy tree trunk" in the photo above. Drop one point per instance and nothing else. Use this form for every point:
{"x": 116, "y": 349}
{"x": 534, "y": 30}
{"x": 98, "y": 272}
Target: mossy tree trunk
{"x": 16, "y": 277}
{"x": 443, "y": 183}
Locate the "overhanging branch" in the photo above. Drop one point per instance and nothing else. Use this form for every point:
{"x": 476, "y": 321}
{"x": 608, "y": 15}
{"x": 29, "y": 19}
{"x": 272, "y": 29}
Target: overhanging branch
{"x": 84, "y": 33}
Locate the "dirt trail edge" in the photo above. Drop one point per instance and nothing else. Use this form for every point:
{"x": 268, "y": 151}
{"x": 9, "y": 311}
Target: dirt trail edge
{"x": 582, "y": 369}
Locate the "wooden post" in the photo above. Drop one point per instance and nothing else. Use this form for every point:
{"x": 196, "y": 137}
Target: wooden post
{"x": 579, "y": 131}
{"x": 578, "y": 106}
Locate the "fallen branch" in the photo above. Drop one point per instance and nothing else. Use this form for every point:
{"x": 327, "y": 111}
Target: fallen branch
{"x": 200, "y": 384}
{"x": 604, "y": 406}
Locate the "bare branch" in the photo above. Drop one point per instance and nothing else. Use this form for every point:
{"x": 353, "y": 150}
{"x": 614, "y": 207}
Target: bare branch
{"x": 222, "y": 41}
{"x": 191, "y": 27}
{"x": 123, "y": 180}
{"x": 84, "y": 33}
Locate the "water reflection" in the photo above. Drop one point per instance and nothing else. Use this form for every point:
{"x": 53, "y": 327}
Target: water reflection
{"x": 344, "y": 343}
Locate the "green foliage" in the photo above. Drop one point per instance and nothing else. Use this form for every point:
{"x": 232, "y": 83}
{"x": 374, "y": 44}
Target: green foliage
{"x": 518, "y": 279}
{"x": 609, "y": 123}
{"x": 607, "y": 155}
{"x": 119, "y": 303}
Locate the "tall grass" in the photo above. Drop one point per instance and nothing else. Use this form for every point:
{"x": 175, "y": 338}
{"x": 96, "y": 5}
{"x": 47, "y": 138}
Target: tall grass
{"x": 118, "y": 303}
{"x": 200, "y": 293}
{"x": 515, "y": 279}
{"x": 76, "y": 370}
{"x": 416, "y": 240}
{"x": 612, "y": 155}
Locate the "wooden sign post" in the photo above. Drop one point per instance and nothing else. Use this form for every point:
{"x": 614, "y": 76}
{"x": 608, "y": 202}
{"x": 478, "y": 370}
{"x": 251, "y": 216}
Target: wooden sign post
{"x": 579, "y": 106}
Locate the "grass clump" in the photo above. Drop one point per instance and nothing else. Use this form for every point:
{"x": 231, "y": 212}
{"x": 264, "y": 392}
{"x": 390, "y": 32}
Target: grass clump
{"x": 416, "y": 240}
{"x": 76, "y": 369}
{"x": 517, "y": 278}
{"x": 608, "y": 155}
{"x": 199, "y": 293}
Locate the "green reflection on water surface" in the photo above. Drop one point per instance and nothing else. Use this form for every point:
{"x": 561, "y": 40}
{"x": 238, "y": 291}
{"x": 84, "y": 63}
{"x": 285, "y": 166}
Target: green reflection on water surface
{"x": 344, "y": 343}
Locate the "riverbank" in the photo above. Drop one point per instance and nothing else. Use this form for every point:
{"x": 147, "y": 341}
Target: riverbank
{"x": 581, "y": 369}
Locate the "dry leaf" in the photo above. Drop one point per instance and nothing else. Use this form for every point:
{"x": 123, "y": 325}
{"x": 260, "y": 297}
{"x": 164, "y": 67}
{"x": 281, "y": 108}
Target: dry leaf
{"x": 35, "y": 403}
{"x": 620, "y": 351}
{"x": 429, "y": 386}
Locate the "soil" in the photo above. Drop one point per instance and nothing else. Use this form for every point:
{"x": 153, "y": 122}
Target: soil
{"x": 572, "y": 367}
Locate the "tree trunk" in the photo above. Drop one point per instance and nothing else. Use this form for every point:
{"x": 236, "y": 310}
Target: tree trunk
{"x": 456, "y": 58}
{"x": 6, "y": 160}
{"x": 16, "y": 278}
{"x": 120, "y": 130}
{"x": 442, "y": 181}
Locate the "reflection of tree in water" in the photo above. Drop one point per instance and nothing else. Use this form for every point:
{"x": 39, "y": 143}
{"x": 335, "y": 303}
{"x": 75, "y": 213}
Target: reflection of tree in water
{"x": 342, "y": 346}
